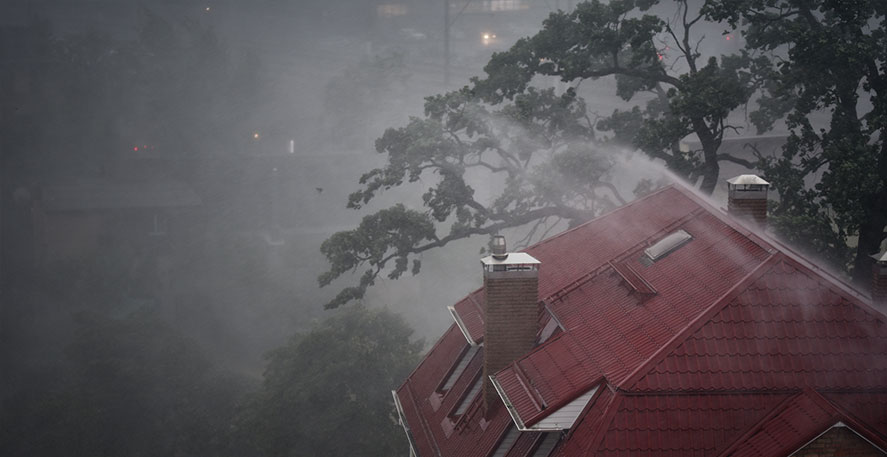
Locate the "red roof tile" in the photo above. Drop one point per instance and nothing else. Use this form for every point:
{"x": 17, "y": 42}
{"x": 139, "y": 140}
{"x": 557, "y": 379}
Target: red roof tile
{"x": 794, "y": 424}
{"x": 691, "y": 352}
{"x": 783, "y": 331}
{"x": 655, "y": 425}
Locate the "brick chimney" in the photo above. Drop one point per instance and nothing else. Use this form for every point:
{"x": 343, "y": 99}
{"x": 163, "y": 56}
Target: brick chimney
{"x": 511, "y": 319}
{"x": 879, "y": 280}
{"x": 747, "y": 198}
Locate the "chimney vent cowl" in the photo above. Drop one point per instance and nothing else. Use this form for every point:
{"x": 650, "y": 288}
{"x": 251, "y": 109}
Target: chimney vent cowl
{"x": 747, "y": 198}
{"x": 498, "y": 247}
{"x": 879, "y": 280}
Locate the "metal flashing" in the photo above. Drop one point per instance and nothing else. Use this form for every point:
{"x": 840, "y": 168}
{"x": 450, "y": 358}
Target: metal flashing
{"x": 561, "y": 419}
{"x": 403, "y": 423}
{"x": 461, "y": 325}
{"x": 747, "y": 180}
{"x": 514, "y": 258}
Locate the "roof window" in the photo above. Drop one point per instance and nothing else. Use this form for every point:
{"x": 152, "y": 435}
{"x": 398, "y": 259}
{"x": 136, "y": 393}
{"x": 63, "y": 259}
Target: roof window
{"x": 506, "y": 443}
{"x": 667, "y": 245}
{"x": 457, "y": 371}
{"x": 548, "y": 441}
{"x": 466, "y": 400}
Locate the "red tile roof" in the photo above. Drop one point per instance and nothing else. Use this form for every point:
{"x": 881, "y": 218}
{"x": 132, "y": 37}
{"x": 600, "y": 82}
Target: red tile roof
{"x": 795, "y": 423}
{"x": 691, "y": 352}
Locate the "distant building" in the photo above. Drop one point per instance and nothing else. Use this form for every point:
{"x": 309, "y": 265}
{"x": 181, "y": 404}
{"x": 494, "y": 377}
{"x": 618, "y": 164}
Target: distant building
{"x": 73, "y": 220}
{"x": 663, "y": 328}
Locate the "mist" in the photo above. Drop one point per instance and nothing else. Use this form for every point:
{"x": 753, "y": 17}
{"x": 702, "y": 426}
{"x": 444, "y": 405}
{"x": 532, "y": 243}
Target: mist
{"x": 175, "y": 165}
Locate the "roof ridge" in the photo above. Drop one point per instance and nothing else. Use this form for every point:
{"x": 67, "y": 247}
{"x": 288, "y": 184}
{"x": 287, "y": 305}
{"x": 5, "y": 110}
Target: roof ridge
{"x": 757, "y": 236}
{"x": 701, "y": 319}
{"x": 826, "y": 278}
{"x": 607, "y": 213}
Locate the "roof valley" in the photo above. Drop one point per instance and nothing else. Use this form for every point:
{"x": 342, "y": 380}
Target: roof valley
{"x": 697, "y": 322}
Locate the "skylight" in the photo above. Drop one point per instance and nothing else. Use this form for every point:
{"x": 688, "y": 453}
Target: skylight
{"x": 463, "y": 362}
{"x": 667, "y": 245}
{"x": 549, "y": 440}
{"x": 466, "y": 401}
{"x": 507, "y": 442}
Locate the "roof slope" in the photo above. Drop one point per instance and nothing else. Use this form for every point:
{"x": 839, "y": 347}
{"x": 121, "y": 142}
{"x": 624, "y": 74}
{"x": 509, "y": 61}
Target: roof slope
{"x": 786, "y": 329}
{"x": 794, "y": 424}
{"x": 689, "y": 352}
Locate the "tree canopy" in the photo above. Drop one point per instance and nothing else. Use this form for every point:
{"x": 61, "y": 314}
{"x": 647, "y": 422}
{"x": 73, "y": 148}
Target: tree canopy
{"x": 830, "y": 83}
{"x": 819, "y": 66}
{"x": 328, "y": 392}
{"x": 128, "y": 386}
{"x": 541, "y": 148}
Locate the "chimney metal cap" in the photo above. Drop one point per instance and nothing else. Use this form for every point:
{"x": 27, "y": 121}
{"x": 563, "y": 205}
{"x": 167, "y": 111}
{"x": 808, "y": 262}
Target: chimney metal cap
{"x": 745, "y": 180}
{"x": 515, "y": 258}
{"x": 499, "y": 250}
{"x": 881, "y": 257}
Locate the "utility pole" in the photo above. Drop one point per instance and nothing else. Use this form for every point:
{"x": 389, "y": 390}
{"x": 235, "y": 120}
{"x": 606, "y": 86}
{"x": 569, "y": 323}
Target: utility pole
{"x": 446, "y": 44}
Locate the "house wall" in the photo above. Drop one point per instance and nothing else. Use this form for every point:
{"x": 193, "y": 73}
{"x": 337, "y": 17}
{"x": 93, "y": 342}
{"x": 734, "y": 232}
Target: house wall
{"x": 839, "y": 442}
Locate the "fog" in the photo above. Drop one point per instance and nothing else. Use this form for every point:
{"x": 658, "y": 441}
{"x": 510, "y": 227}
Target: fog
{"x": 324, "y": 79}
{"x": 197, "y": 177}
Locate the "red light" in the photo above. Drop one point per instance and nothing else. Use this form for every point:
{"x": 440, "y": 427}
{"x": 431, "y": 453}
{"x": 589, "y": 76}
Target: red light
{"x": 660, "y": 56}
{"x": 135, "y": 148}
{"x": 728, "y": 37}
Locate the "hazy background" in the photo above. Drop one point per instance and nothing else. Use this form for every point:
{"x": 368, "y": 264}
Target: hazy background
{"x": 228, "y": 134}
{"x": 228, "y": 140}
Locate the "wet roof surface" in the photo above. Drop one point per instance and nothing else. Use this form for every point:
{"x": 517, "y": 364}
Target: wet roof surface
{"x": 731, "y": 328}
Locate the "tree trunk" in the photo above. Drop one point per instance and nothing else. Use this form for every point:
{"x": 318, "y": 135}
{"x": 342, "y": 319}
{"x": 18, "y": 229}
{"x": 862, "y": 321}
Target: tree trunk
{"x": 871, "y": 231}
{"x": 710, "y": 168}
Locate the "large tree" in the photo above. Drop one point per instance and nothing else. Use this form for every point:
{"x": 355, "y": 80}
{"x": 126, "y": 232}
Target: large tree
{"x": 328, "y": 392}
{"x": 832, "y": 84}
{"x": 538, "y": 147}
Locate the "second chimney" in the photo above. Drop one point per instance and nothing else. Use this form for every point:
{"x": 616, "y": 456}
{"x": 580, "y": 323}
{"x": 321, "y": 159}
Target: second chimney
{"x": 747, "y": 198}
{"x": 879, "y": 281}
{"x": 511, "y": 320}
